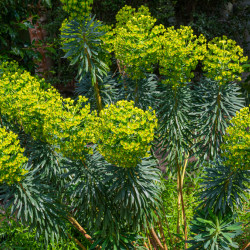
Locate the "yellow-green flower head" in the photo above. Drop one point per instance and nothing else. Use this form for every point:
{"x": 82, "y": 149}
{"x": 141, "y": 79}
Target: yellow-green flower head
{"x": 125, "y": 133}
{"x": 133, "y": 41}
{"x": 45, "y": 115}
{"x": 237, "y": 141}
{"x": 179, "y": 53}
{"x": 11, "y": 158}
{"x": 223, "y": 60}
{"x": 77, "y": 7}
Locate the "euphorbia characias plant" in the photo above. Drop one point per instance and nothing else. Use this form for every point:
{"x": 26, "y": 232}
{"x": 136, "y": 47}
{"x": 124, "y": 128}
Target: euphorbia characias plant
{"x": 59, "y": 134}
{"x": 101, "y": 157}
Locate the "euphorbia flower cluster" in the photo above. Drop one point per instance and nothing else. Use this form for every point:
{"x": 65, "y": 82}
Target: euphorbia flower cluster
{"x": 125, "y": 133}
{"x": 237, "y": 141}
{"x": 12, "y": 159}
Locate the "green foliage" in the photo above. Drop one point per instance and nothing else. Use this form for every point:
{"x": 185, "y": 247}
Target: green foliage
{"x": 35, "y": 207}
{"x": 143, "y": 91}
{"x": 245, "y": 84}
{"x": 214, "y": 106}
{"x": 223, "y": 188}
{"x": 103, "y": 206}
{"x": 218, "y": 18}
{"x": 162, "y": 10}
{"x": 109, "y": 90}
{"x": 244, "y": 217}
{"x": 14, "y": 35}
{"x": 14, "y": 235}
{"x": 170, "y": 204}
{"x": 114, "y": 88}
{"x": 9, "y": 67}
{"x": 175, "y": 123}
{"x": 37, "y": 108}
{"x": 84, "y": 45}
{"x": 107, "y": 181}
{"x": 111, "y": 200}
{"x": 214, "y": 231}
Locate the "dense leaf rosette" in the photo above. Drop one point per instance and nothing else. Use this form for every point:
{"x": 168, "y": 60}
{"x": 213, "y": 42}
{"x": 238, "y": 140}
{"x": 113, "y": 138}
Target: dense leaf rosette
{"x": 214, "y": 231}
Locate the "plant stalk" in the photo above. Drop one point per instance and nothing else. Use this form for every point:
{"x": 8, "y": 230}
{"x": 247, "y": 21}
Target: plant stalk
{"x": 183, "y": 207}
{"x": 1, "y": 120}
{"x": 96, "y": 86}
{"x": 178, "y": 205}
{"x": 184, "y": 170}
{"x": 155, "y": 237}
{"x": 77, "y": 242}
{"x": 162, "y": 234}
{"x": 75, "y": 223}
{"x": 98, "y": 97}
{"x": 182, "y": 181}
{"x": 145, "y": 244}
{"x": 169, "y": 234}
{"x": 245, "y": 246}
